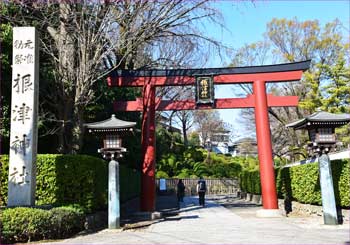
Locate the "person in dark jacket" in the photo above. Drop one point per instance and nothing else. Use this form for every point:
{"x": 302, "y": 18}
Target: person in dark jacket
{"x": 180, "y": 191}
{"x": 201, "y": 189}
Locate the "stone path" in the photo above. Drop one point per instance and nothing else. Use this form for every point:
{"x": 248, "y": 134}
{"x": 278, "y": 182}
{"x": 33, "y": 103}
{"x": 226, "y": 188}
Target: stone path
{"x": 215, "y": 224}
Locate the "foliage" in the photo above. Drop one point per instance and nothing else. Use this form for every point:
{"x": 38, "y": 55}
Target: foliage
{"x": 80, "y": 43}
{"x": 193, "y": 140}
{"x": 325, "y": 85}
{"x": 30, "y": 224}
{"x": 74, "y": 179}
{"x": 250, "y": 182}
{"x": 161, "y": 175}
{"x": 5, "y": 57}
{"x": 195, "y": 162}
{"x": 130, "y": 183}
{"x": 301, "y": 183}
{"x": 306, "y": 189}
{"x": 168, "y": 142}
{"x": 248, "y": 163}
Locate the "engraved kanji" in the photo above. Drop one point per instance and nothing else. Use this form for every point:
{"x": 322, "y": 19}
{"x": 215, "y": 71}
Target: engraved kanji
{"x": 19, "y": 176}
{"x": 20, "y": 44}
{"x": 23, "y": 84}
{"x": 20, "y": 145}
{"x": 24, "y": 59}
{"x": 21, "y": 113}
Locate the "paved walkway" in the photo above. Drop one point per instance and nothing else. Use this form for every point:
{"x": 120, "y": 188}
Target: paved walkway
{"x": 215, "y": 224}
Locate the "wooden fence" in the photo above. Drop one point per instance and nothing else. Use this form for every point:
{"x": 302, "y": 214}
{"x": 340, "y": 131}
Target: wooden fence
{"x": 214, "y": 186}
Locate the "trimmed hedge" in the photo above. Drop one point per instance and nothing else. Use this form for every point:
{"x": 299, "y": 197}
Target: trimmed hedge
{"x": 74, "y": 179}
{"x": 301, "y": 183}
{"x": 30, "y": 224}
{"x": 130, "y": 183}
{"x": 250, "y": 182}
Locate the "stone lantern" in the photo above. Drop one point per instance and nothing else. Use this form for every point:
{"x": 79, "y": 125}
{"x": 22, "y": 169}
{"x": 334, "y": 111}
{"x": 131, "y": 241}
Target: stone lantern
{"x": 112, "y": 130}
{"x": 321, "y": 128}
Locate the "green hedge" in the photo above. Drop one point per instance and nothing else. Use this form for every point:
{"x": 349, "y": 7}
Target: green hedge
{"x": 301, "y": 183}
{"x": 250, "y": 182}
{"x": 130, "y": 183}
{"x": 73, "y": 179}
{"x": 30, "y": 224}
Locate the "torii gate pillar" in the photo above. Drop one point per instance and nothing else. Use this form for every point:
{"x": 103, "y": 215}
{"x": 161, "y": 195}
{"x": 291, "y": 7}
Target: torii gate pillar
{"x": 148, "y": 140}
{"x": 263, "y": 135}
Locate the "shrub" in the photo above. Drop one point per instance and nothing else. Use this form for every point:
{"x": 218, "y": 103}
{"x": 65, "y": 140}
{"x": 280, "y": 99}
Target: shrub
{"x": 130, "y": 183}
{"x": 66, "y": 220}
{"x": 302, "y": 183}
{"x": 67, "y": 179}
{"x": 29, "y": 224}
{"x": 250, "y": 182}
{"x": 24, "y": 224}
{"x": 305, "y": 184}
{"x": 161, "y": 175}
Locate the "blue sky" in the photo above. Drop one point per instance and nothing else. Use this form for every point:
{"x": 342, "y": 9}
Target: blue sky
{"x": 246, "y": 23}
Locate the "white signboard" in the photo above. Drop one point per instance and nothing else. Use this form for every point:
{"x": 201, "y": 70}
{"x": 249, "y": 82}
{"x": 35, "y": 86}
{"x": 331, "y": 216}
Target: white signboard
{"x": 162, "y": 184}
{"x": 24, "y": 114}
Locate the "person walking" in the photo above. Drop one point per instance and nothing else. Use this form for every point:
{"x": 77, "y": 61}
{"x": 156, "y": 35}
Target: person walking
{"x": 180, "y": 191}
{"x": 201, "y": 189}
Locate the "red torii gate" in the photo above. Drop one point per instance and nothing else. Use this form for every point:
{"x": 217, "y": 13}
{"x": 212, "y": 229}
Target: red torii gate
{"x": 259, "y": 100}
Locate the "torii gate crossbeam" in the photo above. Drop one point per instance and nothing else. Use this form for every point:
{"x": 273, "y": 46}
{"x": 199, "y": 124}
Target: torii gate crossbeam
{"x": 259, "y": 100}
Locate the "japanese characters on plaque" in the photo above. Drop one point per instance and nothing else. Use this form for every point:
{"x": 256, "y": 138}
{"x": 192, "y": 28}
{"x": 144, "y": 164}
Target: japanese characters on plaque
{"x": 204, "y": 90}
{"x": 24, "y": 109}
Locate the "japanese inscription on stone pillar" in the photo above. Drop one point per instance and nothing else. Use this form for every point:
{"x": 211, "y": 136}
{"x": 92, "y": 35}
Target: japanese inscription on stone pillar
{"x": 24, "y": 109}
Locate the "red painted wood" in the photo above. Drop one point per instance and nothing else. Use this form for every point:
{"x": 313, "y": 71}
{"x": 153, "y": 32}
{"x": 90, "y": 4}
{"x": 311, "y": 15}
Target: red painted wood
{"x": 219, "y": 79}
{"x": 149, "y": 104}
{"x": 267, "y": 175}
{"x": 230, "y": 103}
{"x": 148, "y": 186}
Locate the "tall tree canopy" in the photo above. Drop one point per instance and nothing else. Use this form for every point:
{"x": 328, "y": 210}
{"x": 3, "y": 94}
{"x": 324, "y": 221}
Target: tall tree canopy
{"x": 82, "y": 41}
{"x": 325, "y": 85}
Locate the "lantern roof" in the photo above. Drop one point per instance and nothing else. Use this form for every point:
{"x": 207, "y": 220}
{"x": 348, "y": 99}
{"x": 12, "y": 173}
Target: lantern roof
{"x": 321, "y": 118}
{"x": 111, "y": 124}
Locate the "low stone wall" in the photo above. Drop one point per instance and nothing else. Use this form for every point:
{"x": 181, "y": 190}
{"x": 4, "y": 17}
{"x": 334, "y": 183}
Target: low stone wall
{"x": 99, "y": 220}
{"x": 297, "y": 208}
{"x": 250, "y": 197}
{"x": 308, "y": 209}
{"x": 96, "y": 221}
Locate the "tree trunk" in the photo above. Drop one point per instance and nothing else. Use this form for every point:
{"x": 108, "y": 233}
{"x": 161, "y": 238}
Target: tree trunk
{"x": 184, "y": 132}
{"x": 77, "y": 131}
{"x": 67, "y": 68}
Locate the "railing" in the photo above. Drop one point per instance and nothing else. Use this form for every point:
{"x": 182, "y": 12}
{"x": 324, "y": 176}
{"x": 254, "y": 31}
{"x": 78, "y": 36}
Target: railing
{"x": 214, "y": 186}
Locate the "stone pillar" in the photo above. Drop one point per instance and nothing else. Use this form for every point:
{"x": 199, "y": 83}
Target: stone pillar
{"x": 113, "y": 195}
{"x": 24, "y": 115}
{"x": 330, "y": 216}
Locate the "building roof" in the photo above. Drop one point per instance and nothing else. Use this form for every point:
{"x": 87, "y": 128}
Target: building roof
{"x": 320, "y": 118}
{"x": 245, "y": 140}
{"x": 111, "y": 124}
